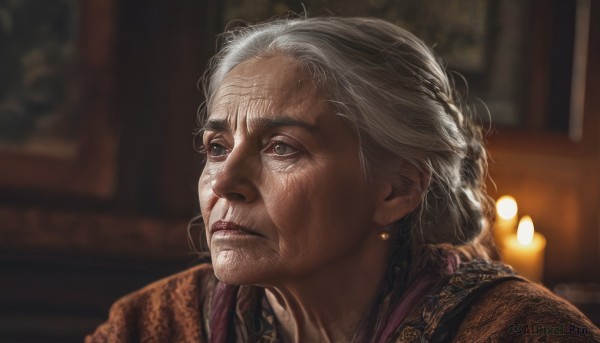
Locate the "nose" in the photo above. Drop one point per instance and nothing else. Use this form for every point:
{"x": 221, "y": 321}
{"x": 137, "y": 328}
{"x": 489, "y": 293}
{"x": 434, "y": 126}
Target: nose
{"x": 234, "y": 180}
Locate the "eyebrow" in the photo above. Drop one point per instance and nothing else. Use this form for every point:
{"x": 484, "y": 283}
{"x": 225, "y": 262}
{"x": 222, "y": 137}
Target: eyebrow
{"x": 221, "y": 125}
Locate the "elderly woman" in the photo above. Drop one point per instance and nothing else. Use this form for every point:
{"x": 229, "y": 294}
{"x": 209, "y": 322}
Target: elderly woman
{"x": 343, "y": 200}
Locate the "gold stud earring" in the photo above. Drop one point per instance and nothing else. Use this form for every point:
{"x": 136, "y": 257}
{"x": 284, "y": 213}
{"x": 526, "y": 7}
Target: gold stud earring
{"x": 384, "y": 235}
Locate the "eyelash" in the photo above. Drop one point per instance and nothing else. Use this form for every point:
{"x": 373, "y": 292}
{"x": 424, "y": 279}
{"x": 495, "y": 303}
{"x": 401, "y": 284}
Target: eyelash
{"x": 208, "y": 148}
{"x": 271, "y": 148}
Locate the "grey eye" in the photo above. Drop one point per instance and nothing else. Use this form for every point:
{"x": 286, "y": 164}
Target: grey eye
{"x": 283, "y": 149}
{"x": 216, "y": 150}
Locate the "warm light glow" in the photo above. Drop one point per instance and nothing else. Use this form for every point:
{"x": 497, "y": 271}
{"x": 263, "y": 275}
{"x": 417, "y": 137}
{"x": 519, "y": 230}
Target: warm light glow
{"x": 506, "y": 207}
{"x": 525, "y": 230}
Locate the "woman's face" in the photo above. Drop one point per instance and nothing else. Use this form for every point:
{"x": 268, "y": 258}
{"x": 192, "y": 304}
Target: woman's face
{"x": 282, "y": 194}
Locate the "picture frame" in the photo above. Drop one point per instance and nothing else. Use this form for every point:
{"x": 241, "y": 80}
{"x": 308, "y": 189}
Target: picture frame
{"x": 83, "y": 161}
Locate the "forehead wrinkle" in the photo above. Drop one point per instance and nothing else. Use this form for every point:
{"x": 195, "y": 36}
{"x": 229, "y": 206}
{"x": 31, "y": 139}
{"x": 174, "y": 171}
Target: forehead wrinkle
{"x": 251, "y": 108}
{"x": 242, "y": 112}
{"x": 236, "y": 102}
{"x": 252, "y": 112}
{"x": 250, "y": 90}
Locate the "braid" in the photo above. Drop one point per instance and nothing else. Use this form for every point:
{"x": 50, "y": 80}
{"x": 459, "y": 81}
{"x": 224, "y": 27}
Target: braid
{"x": 468, "y": 192}
{"x": 476, "y": 204}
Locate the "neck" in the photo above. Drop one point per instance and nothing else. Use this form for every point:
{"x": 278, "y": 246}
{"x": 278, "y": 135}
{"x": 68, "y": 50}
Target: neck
{"x": 329, "y": 304}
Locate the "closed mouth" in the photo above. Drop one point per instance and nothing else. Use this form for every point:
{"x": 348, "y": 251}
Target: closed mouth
{"x": 222, "y": 225}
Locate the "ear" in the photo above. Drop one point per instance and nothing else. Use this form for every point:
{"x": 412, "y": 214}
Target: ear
{"x": 394, "y": 204}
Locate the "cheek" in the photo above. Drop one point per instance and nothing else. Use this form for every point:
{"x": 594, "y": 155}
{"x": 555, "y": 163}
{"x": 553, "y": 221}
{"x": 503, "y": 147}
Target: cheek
{"x": 206, "y": 196}
{"x": 339, "y": 196}
{"x": 288, "y": 206}
{"x": 316, "y": 209}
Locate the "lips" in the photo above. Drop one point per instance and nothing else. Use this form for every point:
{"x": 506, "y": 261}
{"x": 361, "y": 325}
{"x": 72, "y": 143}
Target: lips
{"x": 222, "y": 225}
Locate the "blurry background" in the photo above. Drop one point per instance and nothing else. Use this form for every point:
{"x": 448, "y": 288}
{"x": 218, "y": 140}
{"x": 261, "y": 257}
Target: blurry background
{"x": 97, "y": 108}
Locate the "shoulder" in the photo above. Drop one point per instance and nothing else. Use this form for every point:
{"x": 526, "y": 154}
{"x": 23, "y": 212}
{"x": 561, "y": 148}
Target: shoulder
{"x": 171, "y": 309}
{"x": 181, "y": 291}
{"x": 486, "y": 301}
{"x": 515, "y": 310}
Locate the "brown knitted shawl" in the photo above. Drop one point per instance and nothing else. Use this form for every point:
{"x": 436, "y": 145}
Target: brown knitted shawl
{"x": 480, "y": 301}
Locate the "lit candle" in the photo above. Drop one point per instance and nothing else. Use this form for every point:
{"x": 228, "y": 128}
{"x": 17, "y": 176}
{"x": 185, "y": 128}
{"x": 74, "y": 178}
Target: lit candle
{"x": 525, "y": 250}
{"x": 506, "y": 219}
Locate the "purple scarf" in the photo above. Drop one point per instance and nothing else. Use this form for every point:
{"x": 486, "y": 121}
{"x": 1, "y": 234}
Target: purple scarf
{"x": 224, "y": 302}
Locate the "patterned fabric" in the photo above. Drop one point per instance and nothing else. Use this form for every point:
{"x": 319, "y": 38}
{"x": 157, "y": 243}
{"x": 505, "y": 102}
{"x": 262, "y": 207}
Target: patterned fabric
{"x": 426, "y": 312}
{"x": 428, "y": 309}
{"x": 478, "y": 302}
{"x": 407, "y": 298}
{"x": 437, "y": 316}
{"x": 255, "y": 320}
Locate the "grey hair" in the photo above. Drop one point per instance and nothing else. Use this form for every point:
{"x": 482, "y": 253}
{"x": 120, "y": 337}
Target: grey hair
{"x": 400, "y": 101}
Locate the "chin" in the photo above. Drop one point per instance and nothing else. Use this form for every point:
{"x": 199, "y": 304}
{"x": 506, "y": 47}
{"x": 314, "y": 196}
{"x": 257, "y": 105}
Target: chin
{"x": 230, "y": 269}
{"x": 230, "y": 274}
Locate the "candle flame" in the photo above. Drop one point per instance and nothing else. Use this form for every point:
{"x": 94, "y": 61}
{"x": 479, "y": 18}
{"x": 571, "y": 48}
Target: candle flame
{"x": 506, "y": 207}
{"x": 525, "y": 230}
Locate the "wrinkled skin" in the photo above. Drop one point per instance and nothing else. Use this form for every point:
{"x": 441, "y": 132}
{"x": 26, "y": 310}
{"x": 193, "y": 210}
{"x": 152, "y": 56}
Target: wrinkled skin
{"x": 282, "y": 165}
